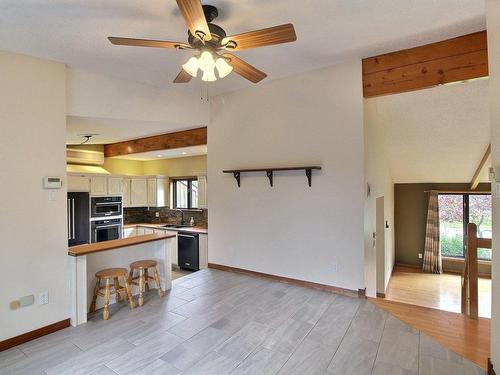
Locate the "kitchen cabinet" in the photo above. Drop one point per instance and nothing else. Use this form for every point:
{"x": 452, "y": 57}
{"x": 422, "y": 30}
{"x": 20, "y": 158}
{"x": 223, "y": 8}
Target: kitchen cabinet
{"x": 152, "y": 189}
{"x": 98, "y": 185}
{"x": 126, "y": 192}
{"x": 158, "y": 195}
{"x": 139, "y": 192}
{"x": 203, "y": 248}
{"x": 174, "y": 253}
{"x": 77, "y": 183}
{"x": 115, "y": 185}
{"x": 202, "y": 191}
{"x": 129, "y": 232}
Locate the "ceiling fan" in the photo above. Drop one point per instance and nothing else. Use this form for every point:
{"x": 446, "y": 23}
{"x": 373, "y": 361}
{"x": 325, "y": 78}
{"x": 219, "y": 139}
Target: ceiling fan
{"x": 213, "y": 45}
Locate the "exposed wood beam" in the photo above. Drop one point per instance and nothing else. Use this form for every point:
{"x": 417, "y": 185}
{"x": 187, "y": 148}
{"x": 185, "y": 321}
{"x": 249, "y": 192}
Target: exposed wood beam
{"x": 482, "y": 164}
{"x": 186, "y": 138}
{"x": 452, "y": 60}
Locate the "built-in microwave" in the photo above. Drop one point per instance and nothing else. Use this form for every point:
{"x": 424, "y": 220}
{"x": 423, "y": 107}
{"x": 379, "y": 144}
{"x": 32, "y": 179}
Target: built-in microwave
{"x": 105, "y": 206}
{"x": 106, "y": 229}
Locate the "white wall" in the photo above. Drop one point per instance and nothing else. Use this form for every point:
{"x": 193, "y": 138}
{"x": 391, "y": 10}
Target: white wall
{"x": 493, "y": 22}
{"x": 378, "y": 176}
{"x": 33, "y": 242}
{"x": 100, "y": 96}
{"x": 291, "y": 229}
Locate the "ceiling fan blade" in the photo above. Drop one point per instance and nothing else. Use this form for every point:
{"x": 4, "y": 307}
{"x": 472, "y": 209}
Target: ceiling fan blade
{"x": 244, "y": 69}
{"x": 147, "y": 43}
{"x": 183, "y": 77}
{"x": 260, "y": 38}
{"x": 192, "y": 11}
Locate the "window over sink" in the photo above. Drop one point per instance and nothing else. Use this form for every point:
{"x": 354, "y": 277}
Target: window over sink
{"x": 185, "y": 192}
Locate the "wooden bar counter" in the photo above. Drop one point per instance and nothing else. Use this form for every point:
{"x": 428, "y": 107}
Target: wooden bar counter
{"x": 86, "y": 260}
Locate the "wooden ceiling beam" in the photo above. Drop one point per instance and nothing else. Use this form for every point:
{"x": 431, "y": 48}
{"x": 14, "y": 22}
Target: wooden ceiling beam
{"x": 452, "y": 60}
{"x": 482, "y": 164}
{"x": 185, "y": 138}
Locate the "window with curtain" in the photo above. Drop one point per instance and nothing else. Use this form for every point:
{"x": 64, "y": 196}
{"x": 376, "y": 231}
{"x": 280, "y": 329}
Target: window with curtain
{"x": 455, "y": 212}
{"x": 185, "y": 193}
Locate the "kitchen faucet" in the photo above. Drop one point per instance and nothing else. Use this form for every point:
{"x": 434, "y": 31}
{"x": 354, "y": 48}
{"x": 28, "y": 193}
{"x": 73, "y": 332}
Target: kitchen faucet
{"x": 182, "y": 216}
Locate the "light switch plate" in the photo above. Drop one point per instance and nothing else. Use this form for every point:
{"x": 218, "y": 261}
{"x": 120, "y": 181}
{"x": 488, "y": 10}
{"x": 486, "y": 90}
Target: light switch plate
{"x": 419, "y": 255}
{"x": 26, "y": 300}
{"x": 43, "y": 298}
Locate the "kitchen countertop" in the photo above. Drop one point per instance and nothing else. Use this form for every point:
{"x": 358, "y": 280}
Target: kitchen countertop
{"x": 116, "y": 244}
{"x": 195, "y": 229}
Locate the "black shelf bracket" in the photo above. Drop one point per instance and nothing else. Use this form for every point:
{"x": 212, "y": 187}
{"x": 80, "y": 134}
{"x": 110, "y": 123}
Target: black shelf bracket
{"x": 270, "y": 176}
{"x": 309, "y": 176}
{"x": 237, "y": 177}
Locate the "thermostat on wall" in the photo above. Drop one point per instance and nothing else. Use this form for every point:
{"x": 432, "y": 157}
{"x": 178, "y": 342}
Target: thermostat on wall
{"x": 52, "y": 182}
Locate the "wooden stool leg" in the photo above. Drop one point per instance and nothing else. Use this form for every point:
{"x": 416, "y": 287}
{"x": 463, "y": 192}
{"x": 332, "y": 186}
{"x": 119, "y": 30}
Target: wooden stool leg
{"x": 96, "y": 293}
{"x": 141, "y": 286}
{"x": 107, "y": 292}
{"x": 117, "y": 290}
{"x": 146, "y": 279}
{"x": 161, "y": 293}
{"x": 129, "y": 293}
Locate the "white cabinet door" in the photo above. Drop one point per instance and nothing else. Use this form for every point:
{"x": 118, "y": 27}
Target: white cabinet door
{"x": 98, "y": 185}
{"x": 203, "y": 248}
{"x": 162, "y": 192}
{"x": 151, "y": 192}
{"x": 129, "y": 232}
{"x": 149, "y": 230}
{"x": 202, "y": 192}
{"x": 139, "y": 192}
{"x": 126, "y": 192}
{"x": 78, "y": 183}
{"x": 115, "y": 185}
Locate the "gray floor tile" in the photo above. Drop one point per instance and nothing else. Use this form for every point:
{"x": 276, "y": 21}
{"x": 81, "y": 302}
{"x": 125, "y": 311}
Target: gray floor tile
{"x": 430, "y": 347}
{"x": 400, "y": 348}
{"x": 355, "y": 356}
{"x": 310, "y": 358}
{"x": 11, "y": 356}
{"x": 101, "y": 370}
{"x": 212, "y": 364}
{"x": 435, "y": 366}
{"x": 262, "y": 362}
{"x": 92, "y": 358}
{"x": 158, "y": 367}
{"x": 287, "y": 336}
{"x": 368, "y": 325}
{"x": 388, "y": 369}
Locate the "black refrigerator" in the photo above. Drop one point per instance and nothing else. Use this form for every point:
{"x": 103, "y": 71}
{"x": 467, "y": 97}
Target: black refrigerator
{"x": 78, "y": 206}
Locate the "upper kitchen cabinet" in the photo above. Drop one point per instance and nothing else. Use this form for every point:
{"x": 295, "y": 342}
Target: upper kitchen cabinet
{"x": 202, "y": 191}
{"x": 126, "y": 191}
{"x": 138, "y": 192}
{"x": 98, "y": 185}
{"x": 77, "y": 183}
{"x": 115, "y": 185}
{"x": 158, "y": 192}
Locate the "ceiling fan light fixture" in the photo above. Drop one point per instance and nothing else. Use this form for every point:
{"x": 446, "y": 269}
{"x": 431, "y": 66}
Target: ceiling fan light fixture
{"x": 206, "y": 61}
{"x": 209, "y": 76}
{"x": 223, "y": 68}
{"x": 192, "y": 66}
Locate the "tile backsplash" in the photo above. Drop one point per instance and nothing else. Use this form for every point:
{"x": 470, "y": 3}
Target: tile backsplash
{"x": 135, "y": 215}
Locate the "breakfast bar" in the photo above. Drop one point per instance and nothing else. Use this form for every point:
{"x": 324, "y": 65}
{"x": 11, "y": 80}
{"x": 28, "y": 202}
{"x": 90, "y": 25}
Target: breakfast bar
{"x": 86, "y": 260}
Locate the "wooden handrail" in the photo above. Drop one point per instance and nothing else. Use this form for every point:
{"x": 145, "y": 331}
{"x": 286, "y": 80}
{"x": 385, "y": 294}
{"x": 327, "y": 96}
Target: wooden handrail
{"x": 470, "y": 273}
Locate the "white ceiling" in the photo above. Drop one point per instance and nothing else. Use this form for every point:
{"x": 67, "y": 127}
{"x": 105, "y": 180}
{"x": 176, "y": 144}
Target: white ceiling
{"x": 74, "y": 32}
{"x": 109, "y": 130}
{"x": 167, "y": 154}
{"x": 434, "y": 135}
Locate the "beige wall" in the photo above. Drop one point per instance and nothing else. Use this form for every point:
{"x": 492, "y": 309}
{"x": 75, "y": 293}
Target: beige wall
{"x": 33, "y": 246}
{"x": 410, "y": 216}
{"x": 188, "y": 166}
{"x": 493, "y": 22}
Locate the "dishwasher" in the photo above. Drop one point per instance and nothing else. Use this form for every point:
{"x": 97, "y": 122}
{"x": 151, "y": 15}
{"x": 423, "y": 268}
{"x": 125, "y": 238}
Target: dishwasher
{"x": 188, "y": 251}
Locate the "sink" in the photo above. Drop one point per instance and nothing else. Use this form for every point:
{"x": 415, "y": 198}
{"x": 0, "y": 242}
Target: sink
{"x": 174, "y": 226}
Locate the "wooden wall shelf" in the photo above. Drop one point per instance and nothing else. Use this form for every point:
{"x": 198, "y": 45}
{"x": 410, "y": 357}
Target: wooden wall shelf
{"x": 269, "y": 172}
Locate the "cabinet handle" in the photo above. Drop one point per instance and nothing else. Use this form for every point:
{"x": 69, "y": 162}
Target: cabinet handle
{"x": 185, "y": 235}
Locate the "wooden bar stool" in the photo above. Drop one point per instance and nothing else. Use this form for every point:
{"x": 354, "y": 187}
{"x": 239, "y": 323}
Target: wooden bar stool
{"x": 143, "y": 279}
{"x": 112, "y": 285}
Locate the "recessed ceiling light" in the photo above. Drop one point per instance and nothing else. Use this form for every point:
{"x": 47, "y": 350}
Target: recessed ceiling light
{"x": 159, "y": 156}
{"x": 184, "y": 153}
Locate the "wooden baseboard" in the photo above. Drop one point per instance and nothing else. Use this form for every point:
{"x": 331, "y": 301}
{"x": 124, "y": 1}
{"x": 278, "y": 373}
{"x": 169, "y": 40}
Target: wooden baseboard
{"x": 380, "y": 295}
{"x": 361, "y": 293}
{"x": 28, "y": 336}
{"x": 490, "y": 368}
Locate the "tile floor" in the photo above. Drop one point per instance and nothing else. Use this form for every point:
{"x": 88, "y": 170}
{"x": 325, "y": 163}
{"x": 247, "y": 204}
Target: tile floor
{"x": 214, "y": 322}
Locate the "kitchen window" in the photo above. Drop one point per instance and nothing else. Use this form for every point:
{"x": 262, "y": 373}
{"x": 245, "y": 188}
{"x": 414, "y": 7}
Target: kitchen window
{"x": 185, "y": 193}
{"x": 455, "y": 212}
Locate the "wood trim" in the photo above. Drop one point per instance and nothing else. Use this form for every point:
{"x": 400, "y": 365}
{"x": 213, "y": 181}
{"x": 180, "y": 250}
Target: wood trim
{"x": 185, "y": 138}
{"x": 97, "y": 247}
{"x": 307, "y": 284}
{"x": 475, "y": 179}
{"x": 28, "y": 336}
{"x": 380, "y": 295}
{"x": 448, "y": 61}
{"x": 490, "y": 368}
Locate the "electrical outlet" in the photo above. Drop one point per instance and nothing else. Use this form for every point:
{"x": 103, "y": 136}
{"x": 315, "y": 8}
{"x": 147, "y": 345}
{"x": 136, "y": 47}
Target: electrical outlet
{"x": 43, "y": 298}
{"x": 419, "y": 255}
{"x": 336, "y": 267}
{"x": 157, "y": 214}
